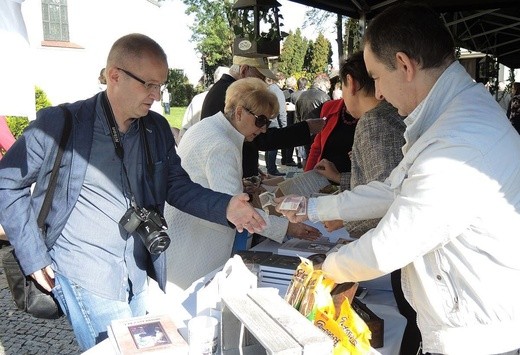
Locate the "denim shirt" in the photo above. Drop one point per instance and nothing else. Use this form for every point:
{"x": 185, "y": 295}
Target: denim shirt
{"x": 30, "y": 161}
{"x": 92, "y": 235}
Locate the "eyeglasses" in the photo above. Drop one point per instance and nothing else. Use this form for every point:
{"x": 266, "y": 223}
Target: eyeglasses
{"x": 149, "y": 86}
{"x": 260, "y": 120}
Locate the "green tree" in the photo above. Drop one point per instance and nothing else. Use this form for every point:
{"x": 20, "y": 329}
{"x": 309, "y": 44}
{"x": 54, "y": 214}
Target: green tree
{"x": 320, "y": 55}
{"x": 353, "y": 36}
{"x": 293, "y": 52}
{"x": 18, "y": 124}
{"x": 212, "y": 32}
{"x": 180, "y": 88}
{"x": 323, "y": 21}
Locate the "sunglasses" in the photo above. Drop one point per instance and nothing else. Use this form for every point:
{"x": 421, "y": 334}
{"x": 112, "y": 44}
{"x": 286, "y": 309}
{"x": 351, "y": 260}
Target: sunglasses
{"x": 260, "y": 120}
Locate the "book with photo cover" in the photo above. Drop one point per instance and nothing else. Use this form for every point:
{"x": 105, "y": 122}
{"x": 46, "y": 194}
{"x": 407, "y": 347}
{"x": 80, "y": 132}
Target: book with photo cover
{"x": 146, "y": 334}
{"x": 305, "y": 248}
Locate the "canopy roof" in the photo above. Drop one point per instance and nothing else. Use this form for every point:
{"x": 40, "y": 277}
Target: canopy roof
{"x": 487, "y": 26}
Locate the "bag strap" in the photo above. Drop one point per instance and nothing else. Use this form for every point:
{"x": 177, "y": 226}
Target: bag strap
{"x": 54, "y": 175}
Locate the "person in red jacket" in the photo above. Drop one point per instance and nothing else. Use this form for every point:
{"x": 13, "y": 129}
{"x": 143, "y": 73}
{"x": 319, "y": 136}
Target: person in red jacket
{"x": 334, "y": 141}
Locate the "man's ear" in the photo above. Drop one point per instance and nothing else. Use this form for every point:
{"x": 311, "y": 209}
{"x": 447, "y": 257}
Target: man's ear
{"x": 243, "y": 71}
{"x": 112, "y": 74}
{"x": 407, "y": 65}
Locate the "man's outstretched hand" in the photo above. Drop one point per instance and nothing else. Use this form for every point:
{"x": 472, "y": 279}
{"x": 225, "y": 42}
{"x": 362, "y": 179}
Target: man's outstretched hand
{"x": 242, "y": 214}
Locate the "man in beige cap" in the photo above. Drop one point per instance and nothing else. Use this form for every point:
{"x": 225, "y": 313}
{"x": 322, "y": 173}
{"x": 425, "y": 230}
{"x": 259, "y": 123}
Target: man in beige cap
{"x": 259, "y": 64}
{"x": 288, "y": 137}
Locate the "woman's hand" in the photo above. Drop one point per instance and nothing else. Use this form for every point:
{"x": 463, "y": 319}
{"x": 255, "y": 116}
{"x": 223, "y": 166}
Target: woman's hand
{"x": 302, "y": 231}
{"x": 328, "y": 169}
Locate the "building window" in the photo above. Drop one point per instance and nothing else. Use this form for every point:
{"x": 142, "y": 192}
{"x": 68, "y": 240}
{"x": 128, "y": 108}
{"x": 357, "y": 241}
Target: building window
{"x": 55, "y": 20}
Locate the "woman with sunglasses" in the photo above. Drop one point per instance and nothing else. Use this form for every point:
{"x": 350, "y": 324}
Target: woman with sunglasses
{"x": 211, "y": 153}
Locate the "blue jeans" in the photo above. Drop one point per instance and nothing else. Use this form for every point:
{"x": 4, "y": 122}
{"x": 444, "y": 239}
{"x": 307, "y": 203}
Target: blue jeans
{"x": 166, "y": 108}
{"x": 89, "y": 314}
{"x": 270, "y": 161}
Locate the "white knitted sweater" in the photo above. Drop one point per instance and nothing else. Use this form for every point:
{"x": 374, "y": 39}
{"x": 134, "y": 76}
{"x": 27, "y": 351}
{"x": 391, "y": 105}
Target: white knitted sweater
{"x": 211, "y": 153}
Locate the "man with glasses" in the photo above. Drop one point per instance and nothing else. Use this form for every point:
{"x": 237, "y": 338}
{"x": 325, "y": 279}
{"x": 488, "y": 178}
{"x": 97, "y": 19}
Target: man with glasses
{"x": 119, "y": 167}
{"x": 287, "y": 137}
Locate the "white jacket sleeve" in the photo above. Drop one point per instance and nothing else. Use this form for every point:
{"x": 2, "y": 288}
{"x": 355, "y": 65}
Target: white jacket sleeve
{"x": 435, "y": 204}
{"x": 362, "y": 202}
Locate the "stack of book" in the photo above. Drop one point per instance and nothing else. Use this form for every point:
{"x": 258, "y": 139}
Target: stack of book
{"x": 277, "y": 271}
{"x": 273, "y": 270}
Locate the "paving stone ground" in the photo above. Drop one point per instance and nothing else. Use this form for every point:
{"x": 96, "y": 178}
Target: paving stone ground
{"x": 23, "y": 334}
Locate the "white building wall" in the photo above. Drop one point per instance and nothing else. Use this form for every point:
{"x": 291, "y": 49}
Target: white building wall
{"x": 71, "y": 74}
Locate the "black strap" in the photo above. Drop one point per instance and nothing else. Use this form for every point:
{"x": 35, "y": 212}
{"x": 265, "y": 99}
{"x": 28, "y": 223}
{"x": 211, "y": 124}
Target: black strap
{"x": 116, "y": 140}
{"x": 114, "y": 130}
{"x": 54, "y": 175}
{"x": 149, "y": 161}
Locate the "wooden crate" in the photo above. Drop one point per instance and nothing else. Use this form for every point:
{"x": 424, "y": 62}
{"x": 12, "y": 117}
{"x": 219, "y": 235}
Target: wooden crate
{"x": 262, "y": 322}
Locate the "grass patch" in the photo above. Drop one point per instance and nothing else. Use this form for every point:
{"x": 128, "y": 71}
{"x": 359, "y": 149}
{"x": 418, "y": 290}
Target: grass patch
{"x": 175, "y": 116}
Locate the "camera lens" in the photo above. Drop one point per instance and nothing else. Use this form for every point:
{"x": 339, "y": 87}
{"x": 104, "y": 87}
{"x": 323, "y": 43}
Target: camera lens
{"x": 153, "y": 236}
{"x": 159, "y": 243}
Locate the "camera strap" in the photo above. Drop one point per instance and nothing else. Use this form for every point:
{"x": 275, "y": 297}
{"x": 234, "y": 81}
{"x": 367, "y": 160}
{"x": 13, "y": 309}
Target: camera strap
{"x": 116, "y": 139}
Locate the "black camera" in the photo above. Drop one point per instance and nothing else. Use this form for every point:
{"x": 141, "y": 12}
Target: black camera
{"x": 149, "y": 225}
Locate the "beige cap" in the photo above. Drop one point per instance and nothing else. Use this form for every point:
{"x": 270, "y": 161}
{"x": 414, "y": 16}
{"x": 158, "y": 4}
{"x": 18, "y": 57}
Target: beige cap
{"x": 259, "y": 63}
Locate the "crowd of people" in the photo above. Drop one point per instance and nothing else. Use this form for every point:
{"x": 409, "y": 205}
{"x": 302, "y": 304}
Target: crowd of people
{"x": 426, "y": 161}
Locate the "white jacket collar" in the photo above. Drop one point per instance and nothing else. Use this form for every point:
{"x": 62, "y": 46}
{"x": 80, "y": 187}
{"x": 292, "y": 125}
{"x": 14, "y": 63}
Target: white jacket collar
{"x": 453, "y": 80}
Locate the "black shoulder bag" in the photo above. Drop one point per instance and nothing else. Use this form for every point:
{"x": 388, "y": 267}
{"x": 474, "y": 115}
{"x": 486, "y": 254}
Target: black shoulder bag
{"x": 27, "y": 294}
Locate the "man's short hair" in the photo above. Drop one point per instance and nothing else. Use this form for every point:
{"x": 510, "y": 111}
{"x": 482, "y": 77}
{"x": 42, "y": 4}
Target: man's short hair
{"x": 322, "y": 82}
{"x": 135, "y": 45}
{"x": 415, "y": 30}
{"x": 302, "y": 83}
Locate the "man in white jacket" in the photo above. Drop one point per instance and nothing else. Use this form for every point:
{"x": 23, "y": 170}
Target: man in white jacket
{"x": 450, "y": 209}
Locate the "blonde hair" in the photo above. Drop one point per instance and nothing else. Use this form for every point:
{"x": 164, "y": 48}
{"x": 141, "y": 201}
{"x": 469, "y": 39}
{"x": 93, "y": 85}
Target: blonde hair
{"x": 253, "y": 94}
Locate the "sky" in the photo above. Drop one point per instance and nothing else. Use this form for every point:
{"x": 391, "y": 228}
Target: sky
{"x": 181, "y": 52}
